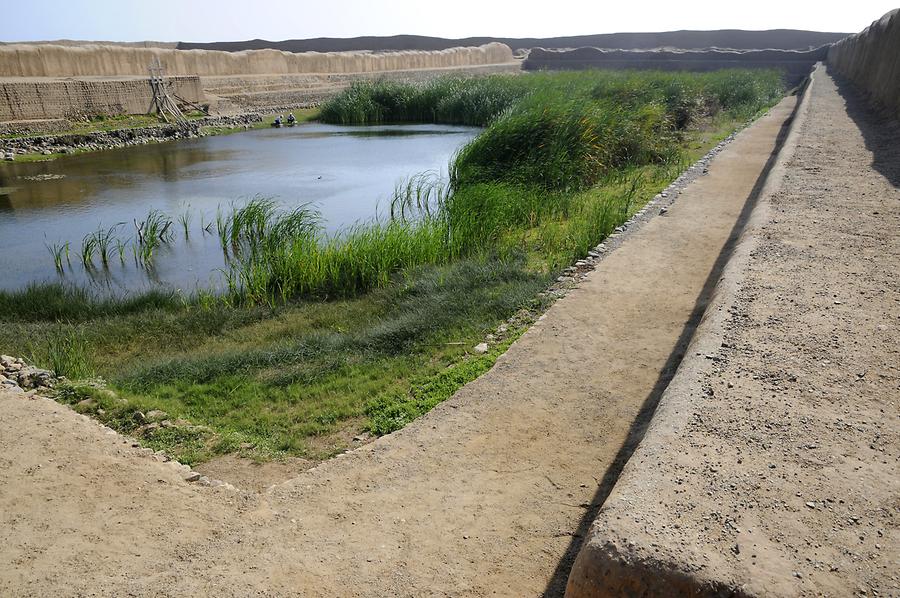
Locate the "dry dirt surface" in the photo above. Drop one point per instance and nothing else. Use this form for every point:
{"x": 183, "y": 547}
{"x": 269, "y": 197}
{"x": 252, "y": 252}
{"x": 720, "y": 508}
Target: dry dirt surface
{"x": 489, "y": 494}
{"x": 771, "y": 466}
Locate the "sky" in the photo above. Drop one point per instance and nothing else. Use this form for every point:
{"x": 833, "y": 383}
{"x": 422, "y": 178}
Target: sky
{"x": 225, "y": 20}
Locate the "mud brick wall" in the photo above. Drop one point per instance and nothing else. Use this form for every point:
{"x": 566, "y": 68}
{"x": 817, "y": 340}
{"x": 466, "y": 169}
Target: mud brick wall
{"x": 871, "y": 60}
{"x": 26, "y": 99}
{"x": 19, "y": 60}
{"x": 796, "y": 64}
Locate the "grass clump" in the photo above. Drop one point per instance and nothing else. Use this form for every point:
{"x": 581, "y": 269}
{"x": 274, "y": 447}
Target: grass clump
{"x": 66, "y": 353}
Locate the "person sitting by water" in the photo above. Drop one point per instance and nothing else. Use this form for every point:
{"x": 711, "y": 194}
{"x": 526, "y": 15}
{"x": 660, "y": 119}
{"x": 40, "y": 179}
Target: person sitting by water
{"x": 277, "y": 122}
{"x": 291, "y": 119}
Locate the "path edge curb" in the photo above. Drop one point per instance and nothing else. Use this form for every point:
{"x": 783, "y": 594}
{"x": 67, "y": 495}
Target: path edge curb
{"x": 610, "y": 563}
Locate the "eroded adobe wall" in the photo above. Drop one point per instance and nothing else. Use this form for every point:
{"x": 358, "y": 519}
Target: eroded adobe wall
{"x": 27, "y": 99}
{"x": 871, "y": 60}
{"x": 796, "y": 64}
{"x": 19, "y": 60}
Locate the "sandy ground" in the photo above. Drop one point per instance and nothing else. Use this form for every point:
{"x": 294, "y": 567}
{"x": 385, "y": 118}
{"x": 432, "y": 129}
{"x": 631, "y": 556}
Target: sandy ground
{"x": 771, "y": 467}
{"x": 489, "y": 494}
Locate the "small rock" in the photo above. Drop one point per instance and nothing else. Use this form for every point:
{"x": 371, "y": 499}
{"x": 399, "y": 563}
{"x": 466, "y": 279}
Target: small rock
{"x": 481, "y": 348}
{"x": 148, "y": 429}
{"x": 192, "y": 477}
{"x": 156, "y": 415}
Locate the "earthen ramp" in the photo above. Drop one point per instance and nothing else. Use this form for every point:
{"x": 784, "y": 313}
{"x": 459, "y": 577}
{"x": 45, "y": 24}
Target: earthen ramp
{"x": 489, "y": 494}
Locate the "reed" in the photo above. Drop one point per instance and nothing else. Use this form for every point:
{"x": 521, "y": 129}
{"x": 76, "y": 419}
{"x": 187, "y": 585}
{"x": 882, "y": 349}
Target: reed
{"x": 185, "y": 220}
{"x": 60, "y": 252}
{"x": 88, "y": 248}
{"x": 121, "y": 248}
{"x": 151, "y": 232}
{"x": 105, "y": 239}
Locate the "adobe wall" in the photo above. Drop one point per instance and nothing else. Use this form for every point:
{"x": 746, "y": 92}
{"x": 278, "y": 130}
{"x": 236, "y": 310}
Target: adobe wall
{"x": 20, "y": 60}
{"x": 49, "y": 81}
{"x": 26, "y": 99}
{"x": 796, "y": 64}
{"x": 871, "y": 60}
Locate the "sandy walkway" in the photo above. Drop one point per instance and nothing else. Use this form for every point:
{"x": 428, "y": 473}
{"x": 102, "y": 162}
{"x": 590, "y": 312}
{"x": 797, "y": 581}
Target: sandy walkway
{"x": 488, "y": 494}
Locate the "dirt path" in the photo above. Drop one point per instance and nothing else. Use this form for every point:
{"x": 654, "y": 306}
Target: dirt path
{"x": 487, "y": 494}
{"x": 771, "y": 467}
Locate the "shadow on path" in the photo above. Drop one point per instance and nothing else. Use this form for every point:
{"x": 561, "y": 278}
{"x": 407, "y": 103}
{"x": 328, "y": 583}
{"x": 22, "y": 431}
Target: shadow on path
{"x": 557, "y": 584}
{"x": 880, "y": 131}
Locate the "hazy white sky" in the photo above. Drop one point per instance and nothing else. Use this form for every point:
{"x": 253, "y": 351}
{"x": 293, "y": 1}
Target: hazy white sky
{"x": 222, "y": 20}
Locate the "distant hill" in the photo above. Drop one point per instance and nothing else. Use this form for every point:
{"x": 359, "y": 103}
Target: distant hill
{"x": 782, "y": 39}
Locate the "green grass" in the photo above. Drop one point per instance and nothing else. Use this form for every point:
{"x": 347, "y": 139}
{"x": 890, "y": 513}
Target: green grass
{"x": 563, "y": 159}
{"x": 319, "y": 336}
{"x": 289, "y": 380}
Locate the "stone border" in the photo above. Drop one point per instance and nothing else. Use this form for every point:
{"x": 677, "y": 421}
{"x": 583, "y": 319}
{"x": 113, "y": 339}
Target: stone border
{"x": 610, "y": 561}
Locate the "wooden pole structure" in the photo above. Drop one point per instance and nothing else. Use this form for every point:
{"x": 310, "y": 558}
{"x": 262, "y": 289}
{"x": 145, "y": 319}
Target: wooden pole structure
{"x": 162, "y": 101}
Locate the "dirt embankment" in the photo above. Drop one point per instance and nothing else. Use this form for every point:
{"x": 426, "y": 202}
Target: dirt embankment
{"x": 771, "y": 465}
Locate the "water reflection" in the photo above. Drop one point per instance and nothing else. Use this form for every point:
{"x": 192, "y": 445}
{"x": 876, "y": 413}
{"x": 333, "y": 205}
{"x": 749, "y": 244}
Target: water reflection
{"x": 344, "y": 171}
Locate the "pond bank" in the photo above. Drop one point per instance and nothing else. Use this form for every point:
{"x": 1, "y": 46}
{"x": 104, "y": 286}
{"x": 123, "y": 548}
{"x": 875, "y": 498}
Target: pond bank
{"x": 40, "y": 146}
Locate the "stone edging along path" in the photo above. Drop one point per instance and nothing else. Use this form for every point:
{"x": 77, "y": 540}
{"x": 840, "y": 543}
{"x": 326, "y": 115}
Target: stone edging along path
{"x": 770, "y": 467}
{"x": 605, "y": 566}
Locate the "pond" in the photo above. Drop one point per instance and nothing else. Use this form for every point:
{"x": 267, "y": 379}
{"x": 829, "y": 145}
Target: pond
{"x": 347, "y": 174}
